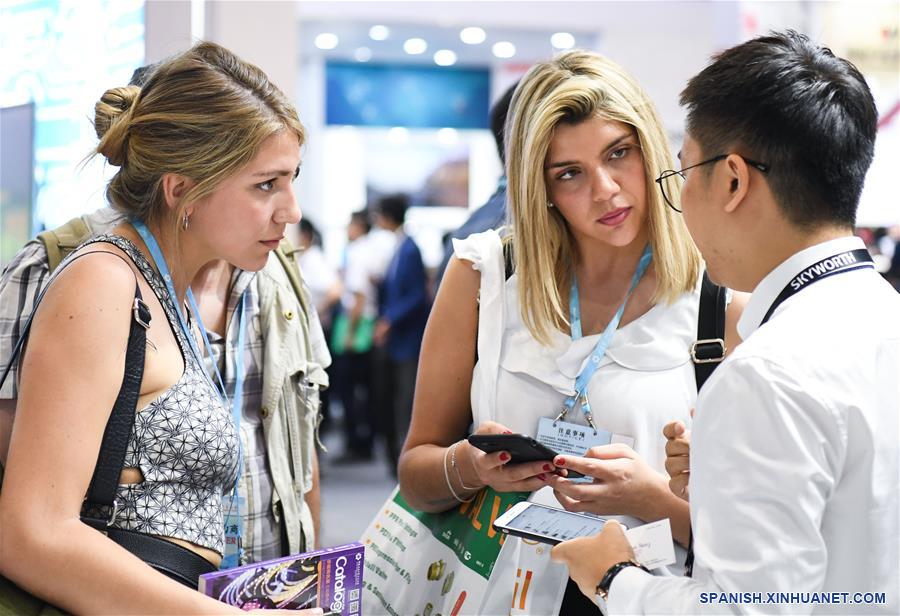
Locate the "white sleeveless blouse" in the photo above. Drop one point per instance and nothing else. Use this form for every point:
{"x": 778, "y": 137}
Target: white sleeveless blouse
{"x": 645, "y": 380}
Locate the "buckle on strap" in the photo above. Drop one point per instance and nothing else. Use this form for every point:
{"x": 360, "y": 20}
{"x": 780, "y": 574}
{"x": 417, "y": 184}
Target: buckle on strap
{"x": 708, "y": 351}
{"x": 113, "y": 512}
{"x": 97, "y": 522}
{"x": 141, "y": 313}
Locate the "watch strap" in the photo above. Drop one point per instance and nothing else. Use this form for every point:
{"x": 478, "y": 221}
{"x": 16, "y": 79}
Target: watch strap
{"x": 607, "y": 579}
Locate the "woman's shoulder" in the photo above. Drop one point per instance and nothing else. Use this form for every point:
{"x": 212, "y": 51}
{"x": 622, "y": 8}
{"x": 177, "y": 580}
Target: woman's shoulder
{"x": 479, "y": 248}
{"x": 99, "y": 263}
{"x": 89, "y": 300}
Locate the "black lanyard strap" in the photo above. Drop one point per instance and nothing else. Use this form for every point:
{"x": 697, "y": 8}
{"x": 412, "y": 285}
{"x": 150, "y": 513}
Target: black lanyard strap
{"x": 835, "y": 264}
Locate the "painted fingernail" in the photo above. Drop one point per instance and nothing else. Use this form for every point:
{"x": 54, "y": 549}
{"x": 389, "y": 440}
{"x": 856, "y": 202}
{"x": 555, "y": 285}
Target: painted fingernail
{"x": 542, "y": 477}
{"x": 547, "y": 467}
{"x": 504, "y": 457}
{"x": 560, "y": 461}
{"x": 507, "y": 432}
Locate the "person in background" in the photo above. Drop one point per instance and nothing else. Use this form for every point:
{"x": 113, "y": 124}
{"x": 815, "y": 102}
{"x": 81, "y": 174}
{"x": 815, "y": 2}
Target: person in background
{"x": 324, "y": 292}
{"x": 351, "y": 341}
{"x": 795, "y": 461}
{"x": 491, "y": 215}
{"x": 321, "y": 277}
{"x": 206, "y": 188}
{"x": 584, "y": 318}
{"x": 403, "y": 306}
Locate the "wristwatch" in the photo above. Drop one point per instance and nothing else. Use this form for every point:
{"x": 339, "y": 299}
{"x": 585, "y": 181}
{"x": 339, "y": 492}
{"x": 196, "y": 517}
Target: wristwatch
{"x": 607, "y": 579}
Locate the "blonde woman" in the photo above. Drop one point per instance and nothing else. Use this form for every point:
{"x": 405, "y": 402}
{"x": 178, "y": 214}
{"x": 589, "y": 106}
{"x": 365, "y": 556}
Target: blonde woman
{"x": 597, "y": 318}
{"x": 206, "y": 154}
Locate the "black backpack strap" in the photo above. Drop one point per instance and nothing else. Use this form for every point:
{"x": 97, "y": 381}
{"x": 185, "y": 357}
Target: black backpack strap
{"x": 709, "y": 349}
{"x": 111, "y": 458}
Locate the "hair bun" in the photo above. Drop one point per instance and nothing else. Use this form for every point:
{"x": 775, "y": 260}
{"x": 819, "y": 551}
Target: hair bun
{"x": 112, "y": 114}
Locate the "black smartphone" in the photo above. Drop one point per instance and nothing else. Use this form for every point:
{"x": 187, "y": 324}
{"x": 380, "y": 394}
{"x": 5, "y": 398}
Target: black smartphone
{"x": 521, "y": 448}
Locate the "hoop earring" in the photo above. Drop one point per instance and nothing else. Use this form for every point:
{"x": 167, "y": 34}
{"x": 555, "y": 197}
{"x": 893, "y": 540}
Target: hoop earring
{"x": 185, "y": 221}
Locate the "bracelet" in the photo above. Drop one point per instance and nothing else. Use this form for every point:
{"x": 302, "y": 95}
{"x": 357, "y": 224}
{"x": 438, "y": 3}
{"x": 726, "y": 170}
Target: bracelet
{"x": 607, "y": 579}
{"x": 450, "y": 485}
{"x": 456, "y": 466}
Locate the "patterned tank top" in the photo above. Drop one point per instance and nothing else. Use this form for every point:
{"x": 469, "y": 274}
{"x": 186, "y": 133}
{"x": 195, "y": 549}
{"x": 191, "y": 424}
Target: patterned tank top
{"x": 184, "y": 443}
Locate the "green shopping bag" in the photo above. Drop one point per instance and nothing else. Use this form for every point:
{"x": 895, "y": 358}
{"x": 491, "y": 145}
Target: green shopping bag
{"x": 434, "y": 563}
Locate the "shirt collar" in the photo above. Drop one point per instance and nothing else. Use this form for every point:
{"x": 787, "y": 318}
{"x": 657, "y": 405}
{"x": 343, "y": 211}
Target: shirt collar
{"x": 770, "y": 286}
{"x": 240, "y": 280}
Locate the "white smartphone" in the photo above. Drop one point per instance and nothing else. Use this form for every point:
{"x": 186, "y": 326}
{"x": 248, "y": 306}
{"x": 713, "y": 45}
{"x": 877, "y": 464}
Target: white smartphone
{"x": 547, "y": 524}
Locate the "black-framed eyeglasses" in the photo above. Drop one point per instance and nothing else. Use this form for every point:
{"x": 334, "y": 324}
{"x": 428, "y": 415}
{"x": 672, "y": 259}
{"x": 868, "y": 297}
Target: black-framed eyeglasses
{"x": 670, "y": 174}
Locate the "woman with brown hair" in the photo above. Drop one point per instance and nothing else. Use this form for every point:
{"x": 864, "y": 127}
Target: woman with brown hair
{"x": 207, "y": 151}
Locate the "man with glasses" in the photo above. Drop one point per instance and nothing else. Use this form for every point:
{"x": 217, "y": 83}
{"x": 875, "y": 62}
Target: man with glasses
{"x": 795, "y": 468}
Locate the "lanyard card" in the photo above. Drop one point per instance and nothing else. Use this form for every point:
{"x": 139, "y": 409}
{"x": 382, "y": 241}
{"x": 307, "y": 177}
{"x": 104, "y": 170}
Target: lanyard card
{"x": 570, "y": 439}
{"x": 234, "y": 527}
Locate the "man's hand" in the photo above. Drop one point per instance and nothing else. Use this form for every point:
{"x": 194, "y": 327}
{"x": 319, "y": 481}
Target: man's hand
{"x": 589, "y": 558}
{"x": 382, "y": 329}
{"x": 678, "y": 458}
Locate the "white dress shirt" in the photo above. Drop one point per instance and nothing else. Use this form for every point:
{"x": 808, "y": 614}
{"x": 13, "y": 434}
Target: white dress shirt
{"x": 795, "y": 462}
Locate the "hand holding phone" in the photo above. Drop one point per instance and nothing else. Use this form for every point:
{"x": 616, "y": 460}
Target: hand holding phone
{"x": 547, "y": 524}
{"x": 521, "y": 448}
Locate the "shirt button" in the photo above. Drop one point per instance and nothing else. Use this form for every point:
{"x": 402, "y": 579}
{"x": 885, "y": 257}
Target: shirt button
{"x": 288, "y": 315}
{"x": 264, "y": 412}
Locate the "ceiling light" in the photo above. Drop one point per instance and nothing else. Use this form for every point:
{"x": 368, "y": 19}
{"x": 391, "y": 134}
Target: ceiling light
{"x": 503, "y": 49}
{"x": 362, "y": 54}
{"x": 326, "y": 40}
{"x": 415, "y": 46}
{"x": 562, "y": 40}
{"x": 444, "y": 57}
{"x": 398, "y": 135}
{"x": 472, "y": 35}
{"x": 447, "y": 136}
{"x": 379, "y": 33}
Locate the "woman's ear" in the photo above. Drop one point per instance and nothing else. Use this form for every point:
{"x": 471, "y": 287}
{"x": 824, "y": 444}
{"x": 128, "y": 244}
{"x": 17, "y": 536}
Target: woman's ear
{"x": 175, "y": 186}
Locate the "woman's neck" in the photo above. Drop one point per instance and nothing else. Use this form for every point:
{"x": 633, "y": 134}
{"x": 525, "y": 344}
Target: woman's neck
{"x": 182, "y": 258}
{"x": 599, "y": 264}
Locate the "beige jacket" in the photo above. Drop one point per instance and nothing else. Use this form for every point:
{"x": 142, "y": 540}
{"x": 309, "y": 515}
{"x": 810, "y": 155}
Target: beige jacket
{"x": 295, "y": 356}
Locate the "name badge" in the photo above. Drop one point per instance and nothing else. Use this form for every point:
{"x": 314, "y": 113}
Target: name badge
{"x": 570, "y": 439}
{"x": 234, "y": 527}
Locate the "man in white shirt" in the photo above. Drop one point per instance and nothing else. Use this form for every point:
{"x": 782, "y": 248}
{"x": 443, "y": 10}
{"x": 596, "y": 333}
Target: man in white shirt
{"x": 795, "y": 468}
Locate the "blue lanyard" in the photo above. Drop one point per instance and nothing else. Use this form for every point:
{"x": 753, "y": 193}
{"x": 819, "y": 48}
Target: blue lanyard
{"x": 163, "y": 268}
{"x": 231, "y": 559}
{"x": 581, "y": 382}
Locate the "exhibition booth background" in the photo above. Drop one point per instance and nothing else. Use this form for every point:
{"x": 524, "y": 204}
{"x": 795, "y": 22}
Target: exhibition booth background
{"x": 394, "y": 95}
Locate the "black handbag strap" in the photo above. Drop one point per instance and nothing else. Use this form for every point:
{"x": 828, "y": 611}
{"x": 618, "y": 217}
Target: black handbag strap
{"x": 111, "y": 458}
{"x": 707, "y": 353}
{"x": 709, "y": 349}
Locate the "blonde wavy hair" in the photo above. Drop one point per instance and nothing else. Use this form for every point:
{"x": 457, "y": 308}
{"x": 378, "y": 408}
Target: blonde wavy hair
{"x": 203, "y": 114}
{"x": 572, "y": 87}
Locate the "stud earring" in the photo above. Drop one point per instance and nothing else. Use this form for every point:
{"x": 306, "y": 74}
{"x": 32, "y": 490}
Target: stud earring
{"x": 550, "y": 205}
